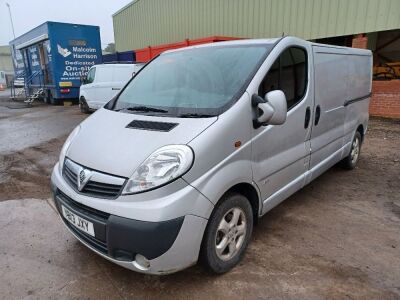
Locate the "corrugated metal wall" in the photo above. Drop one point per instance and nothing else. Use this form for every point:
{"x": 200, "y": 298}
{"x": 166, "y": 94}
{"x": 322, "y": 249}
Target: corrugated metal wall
{"x": 6, "y": 59}
{"x": 152, "y": 22}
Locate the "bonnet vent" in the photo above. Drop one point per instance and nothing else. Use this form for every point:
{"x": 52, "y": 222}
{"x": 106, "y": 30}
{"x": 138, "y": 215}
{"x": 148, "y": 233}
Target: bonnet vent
{"x": 150, "y": 125}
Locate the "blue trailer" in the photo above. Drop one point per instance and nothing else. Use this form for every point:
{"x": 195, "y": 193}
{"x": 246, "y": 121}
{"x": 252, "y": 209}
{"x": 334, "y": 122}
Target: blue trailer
{"x": 50, "y": 60}
{"x": 120, "y": 57}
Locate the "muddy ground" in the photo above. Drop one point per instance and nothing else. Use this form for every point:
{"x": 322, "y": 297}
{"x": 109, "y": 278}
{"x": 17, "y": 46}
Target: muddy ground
{"x": 339, "y": 237}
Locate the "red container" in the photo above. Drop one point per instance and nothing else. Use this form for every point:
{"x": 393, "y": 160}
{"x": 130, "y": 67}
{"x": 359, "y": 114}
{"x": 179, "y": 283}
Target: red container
{"x": 145, "y": 54}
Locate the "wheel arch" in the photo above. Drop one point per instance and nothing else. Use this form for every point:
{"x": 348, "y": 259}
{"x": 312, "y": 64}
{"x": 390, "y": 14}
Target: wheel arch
{"x": 360, "y": 129}
{"x": 251, "y": 193}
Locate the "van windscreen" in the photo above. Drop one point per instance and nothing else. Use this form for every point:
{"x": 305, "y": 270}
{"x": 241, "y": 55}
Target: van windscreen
{"x": 200, "y": 81}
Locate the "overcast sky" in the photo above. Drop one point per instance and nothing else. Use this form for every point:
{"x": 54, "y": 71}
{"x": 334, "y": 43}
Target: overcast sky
{"x": 28, "y": 14}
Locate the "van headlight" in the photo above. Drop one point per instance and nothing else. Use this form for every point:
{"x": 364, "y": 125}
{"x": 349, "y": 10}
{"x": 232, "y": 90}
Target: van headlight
{"x": 163, "y": 166}
{"x": 66, "y": 145}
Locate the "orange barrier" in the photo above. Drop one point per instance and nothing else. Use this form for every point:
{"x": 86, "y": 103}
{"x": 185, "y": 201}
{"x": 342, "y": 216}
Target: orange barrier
{"x": 145, "y": 54}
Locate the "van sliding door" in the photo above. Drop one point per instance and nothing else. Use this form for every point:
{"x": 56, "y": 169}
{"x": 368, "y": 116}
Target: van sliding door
{"x": 331, "y": 79}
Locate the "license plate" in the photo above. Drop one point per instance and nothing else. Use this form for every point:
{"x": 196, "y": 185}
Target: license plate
{"x": 77, "y": 221}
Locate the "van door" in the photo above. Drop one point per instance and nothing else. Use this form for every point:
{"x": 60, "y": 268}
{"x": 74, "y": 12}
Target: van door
{"x": 103, "y": 85}
{"x": 121, "y": 76}
{"x": 331, "y": 78}
{"x": 89, "y": 87}
{"x": 281, "y": 153}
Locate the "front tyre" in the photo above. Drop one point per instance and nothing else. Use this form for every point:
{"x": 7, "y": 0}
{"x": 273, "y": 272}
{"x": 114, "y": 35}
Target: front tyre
{"x": 83, "y": 105}
{"x": 50, "y": 99}
{"x": 351, "y": 160}
{"x": 227, "y": 234}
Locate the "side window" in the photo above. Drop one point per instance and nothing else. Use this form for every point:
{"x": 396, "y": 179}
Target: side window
{"x": 289, "y": 74}
{"x": 90, "y": 75}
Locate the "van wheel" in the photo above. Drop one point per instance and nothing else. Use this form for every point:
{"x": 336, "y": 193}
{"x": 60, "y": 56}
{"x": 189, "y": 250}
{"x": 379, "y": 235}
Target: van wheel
{"x": 351, "y": 160}
{"x": 47, "y": 97}
{"x": 227, "y": 234}
{"x": 83, "y": 105}
{"x": 50, "y": 99}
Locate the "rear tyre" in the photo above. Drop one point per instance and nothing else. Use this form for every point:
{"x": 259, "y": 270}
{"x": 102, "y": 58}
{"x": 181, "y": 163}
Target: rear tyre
{"x": 227, "y": 234}
{"x": 83, "y": 105}
{"x": 51, "y": 100}
{"x": 351, "y": 160}
{"x": 47, "y": 97}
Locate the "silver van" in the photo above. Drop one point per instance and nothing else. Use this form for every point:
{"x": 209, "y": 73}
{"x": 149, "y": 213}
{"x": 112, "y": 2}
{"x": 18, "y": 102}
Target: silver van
{"x": 203, "y": 141}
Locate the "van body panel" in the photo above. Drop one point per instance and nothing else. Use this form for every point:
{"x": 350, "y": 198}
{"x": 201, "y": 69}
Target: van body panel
{"x": 325, "y": 164}
{"x": 359, "y": 95}
{"x": 280, "y": 153}
{"x": 331, "y": 66}
{"x": 351, "y": 72}
{"x": 183, "y": 253}
{"x": 228, "y": 147}
{"x": 109, "y": 80}
{"x": 229, "y": 165}
{"x": 102, "y": 86}
{"x": 88, "y": 91}
{"x": 123, "y": 152}
{"x": 142, "y": 206}
{"x": 283, "y": 193}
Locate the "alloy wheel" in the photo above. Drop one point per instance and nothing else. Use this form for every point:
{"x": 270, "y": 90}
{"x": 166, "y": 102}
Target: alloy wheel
{"x": 355, "y": 150}
{"x": 231, "y": 233}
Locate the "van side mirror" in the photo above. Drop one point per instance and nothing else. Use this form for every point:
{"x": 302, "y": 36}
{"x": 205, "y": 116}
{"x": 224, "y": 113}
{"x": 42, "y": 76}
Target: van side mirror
{"x": 270, "y": 110}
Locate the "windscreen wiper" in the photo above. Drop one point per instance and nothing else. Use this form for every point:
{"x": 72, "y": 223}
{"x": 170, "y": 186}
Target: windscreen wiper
{"x": 194, "y": 115}
{"x": 144, "y": 109}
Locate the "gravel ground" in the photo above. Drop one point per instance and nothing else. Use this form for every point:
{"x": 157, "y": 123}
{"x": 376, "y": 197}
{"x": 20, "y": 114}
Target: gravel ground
{"x": 339, "y": 237}
{"x": 6, "y": 93}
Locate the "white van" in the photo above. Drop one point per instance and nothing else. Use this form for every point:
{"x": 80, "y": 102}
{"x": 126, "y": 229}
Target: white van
{"x": 103, "y": 82}
{"x": 205, "y": 140}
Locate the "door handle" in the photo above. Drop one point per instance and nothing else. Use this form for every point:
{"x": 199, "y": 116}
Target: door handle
{"x": 317, "y": 115}
{"x": 116, "y": 89}
{"x": 307, "y": 117}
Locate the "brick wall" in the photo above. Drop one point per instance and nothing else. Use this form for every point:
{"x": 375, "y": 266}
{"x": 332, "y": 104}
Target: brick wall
{"x": 360, "y": 41}
{"x": 385, "y": 100}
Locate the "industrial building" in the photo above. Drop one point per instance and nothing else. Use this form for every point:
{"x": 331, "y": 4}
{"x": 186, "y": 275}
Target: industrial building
{"x": 372, "y": 24}
{"x": 151, "y": 22}
{"x": 6, "y": 64}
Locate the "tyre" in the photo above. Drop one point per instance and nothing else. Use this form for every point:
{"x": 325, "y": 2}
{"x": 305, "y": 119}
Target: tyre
{"x": 227, "y": 234}
{"x": 83, "y": 105}
{"x": 51, "y": 100}
{"x": 47, "y": 97}
{"x": 351, "y": 160}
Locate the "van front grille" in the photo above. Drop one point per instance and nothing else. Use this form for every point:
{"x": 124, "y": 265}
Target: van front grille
{"x": 92, "y": 188}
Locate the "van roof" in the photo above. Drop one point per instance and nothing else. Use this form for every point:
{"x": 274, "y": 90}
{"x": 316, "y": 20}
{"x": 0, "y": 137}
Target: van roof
{"x": 229, "y": 43}
{"x": 264, "y": 41}
{"x": 117, "y": 65}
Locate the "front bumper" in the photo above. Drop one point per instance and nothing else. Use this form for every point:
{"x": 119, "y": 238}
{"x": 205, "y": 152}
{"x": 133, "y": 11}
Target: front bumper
{"x": 169, "y": 245}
